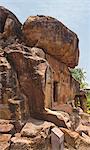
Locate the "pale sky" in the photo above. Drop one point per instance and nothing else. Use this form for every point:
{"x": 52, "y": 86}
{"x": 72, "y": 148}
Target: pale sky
{"x": 74, "y": 14}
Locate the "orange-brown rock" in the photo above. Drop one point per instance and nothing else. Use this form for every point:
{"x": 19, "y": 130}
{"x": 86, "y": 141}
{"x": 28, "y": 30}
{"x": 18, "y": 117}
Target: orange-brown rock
{"x": 31, "y": 79}
{"x": 5, "y": 141}
{"x": 75, "y": 141}
{"x": 4, "y": 146}
{"x": 83, "y": 129}
{"x": 35, "y": 135}
{"x": 32, "y": 83}
{"x": 8, "y": 87}
{"x": 70, "y": 137}
{"x": 9, "y": 22}
{"x": 5, "y": 137}
{"x": 9, "y": 26}
{"x": 65, "y": 87}
{"x": 53, "y": 37}
{"x": 6, "y": 127}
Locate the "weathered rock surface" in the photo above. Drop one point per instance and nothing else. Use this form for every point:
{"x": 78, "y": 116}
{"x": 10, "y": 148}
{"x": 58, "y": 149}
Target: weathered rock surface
{"x": 6, "y": 127}
{"x": 58, "y": 118}
{"x": 34, "y": 136}
{"x": 5, "y": 141}
{"x": 83, "y": 129}
{"x": 75, "y": 119}
{"x": 5, "y": 137}
{"x": 53, "y": 37}
{"x": 30, "y": 79}
{"x": 10, "y": 28}
{"x": 35, "y": 127}
{"x": 84, "y": 144}
{"x": 64, "y": 86}
{"x": 6, "y": 130}
{"x": 9, "y": 24}
{"x": 8, "y": 87}
{"x": 75, "y": 141}
{"x": 85, "y": 118}
{"x": 32, "y": 88}
{"x": 4, "y": 146}
{"x": 35, "y": 80}
{"x": 70, "y": 137}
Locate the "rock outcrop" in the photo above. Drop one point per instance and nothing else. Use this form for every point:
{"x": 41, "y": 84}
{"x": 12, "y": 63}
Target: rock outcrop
{"x": 31, "y": 79}
{"x": 73, "y": 141}
{"x": 35, "y": 81}
{"x": 53, "y": 37}
{"x": 35, "y": 135}
{"x": 8, "y": 87}
{"x": 10, "y": 27}
{"x": 42, "y": 85}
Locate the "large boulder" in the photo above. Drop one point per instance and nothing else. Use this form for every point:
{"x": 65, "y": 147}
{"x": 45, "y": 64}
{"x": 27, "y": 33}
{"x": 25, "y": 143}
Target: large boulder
{"x": 9, "y": 26}
{"x": 53, "y": 37}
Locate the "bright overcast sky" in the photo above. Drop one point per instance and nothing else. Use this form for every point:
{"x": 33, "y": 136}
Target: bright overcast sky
{"x": 74, "y": 14}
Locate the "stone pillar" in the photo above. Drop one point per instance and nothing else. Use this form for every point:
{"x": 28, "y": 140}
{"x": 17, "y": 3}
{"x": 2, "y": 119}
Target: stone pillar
{"x": 57, "y": 139}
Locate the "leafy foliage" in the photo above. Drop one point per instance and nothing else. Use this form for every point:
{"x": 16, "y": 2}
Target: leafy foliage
{"x": 88, "y": 102}
{"x": 80, "y": 75}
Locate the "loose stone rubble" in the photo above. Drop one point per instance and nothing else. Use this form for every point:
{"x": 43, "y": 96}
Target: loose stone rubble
{"x": 37, "y": 90}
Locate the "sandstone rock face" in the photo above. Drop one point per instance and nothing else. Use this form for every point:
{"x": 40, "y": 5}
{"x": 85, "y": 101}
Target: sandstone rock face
{"x": 19, "y": 102}
{"x": 5, "y": 141}
{"x": 53, "y": 37}
{"x": 34, "y": 136}
{"x": 6, "y": 127}
{"x": 42, "y": 83}
{"x": 5, "y": 137}
{"x": 70, "y": 137}
{"x": 35, "y": 81}
{"x": 10, "y": 28}
{"x": 75, "y": 141}
{"x": 30, "y": 85}
{"x": 64, "y": 85}
{"x": 35, "y": 127}
{"x": 6, "y": 131}
{"x": 85, "y": 118}
{"x": 30, "y": 79}
{"x": 4, "y": 146}
{"x": 8, "y": 87}
{"x": 83, "y": 129}
{"x": 9, "y": 24}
